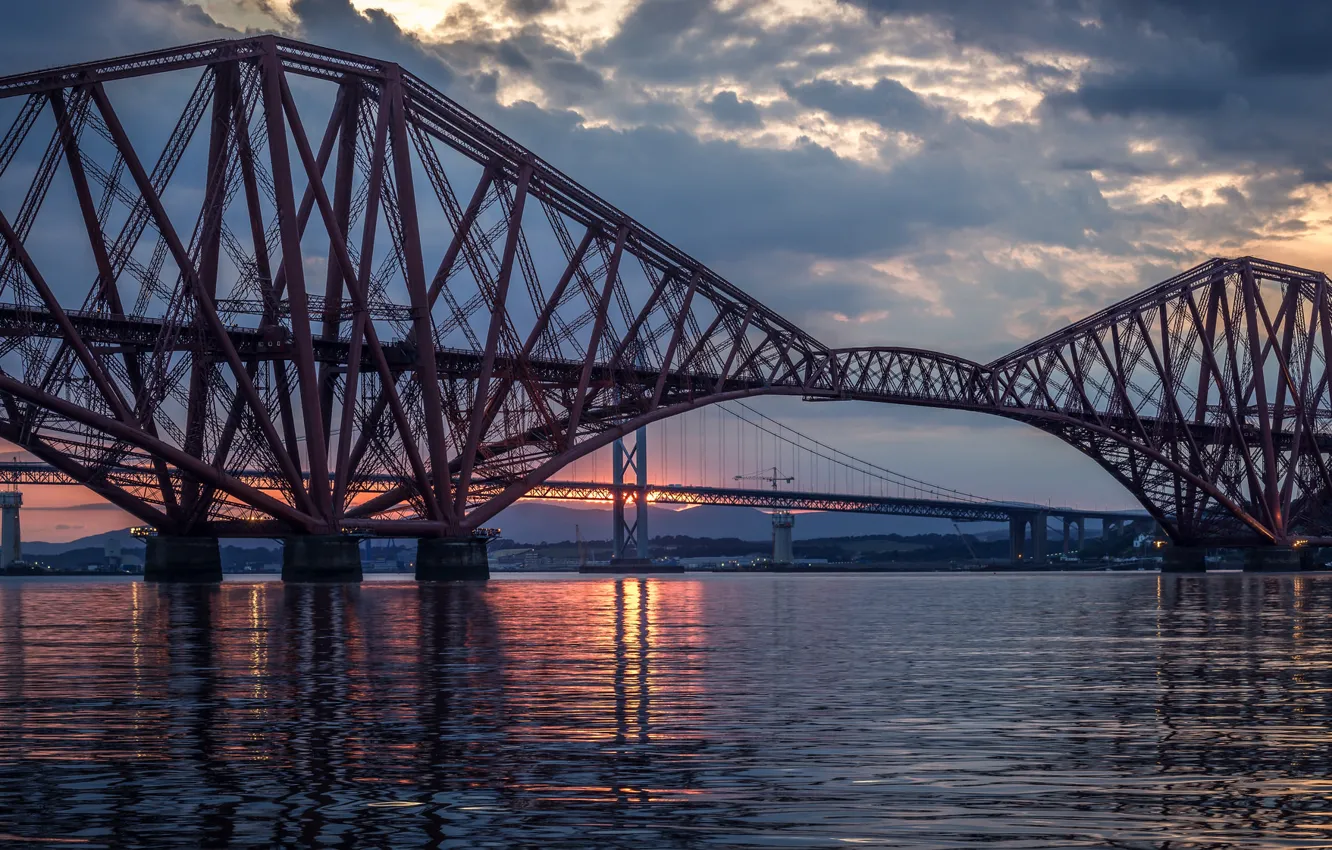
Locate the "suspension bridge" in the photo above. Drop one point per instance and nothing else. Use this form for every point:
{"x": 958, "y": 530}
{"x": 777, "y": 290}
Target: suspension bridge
{"x": 736, "y": 456}
{"x": 242, "y": 284}
{"x": 712, "y": 448}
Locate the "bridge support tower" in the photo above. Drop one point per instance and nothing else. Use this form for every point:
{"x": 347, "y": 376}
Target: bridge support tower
{"x": 1017, "y": 538}
{"x": 452, "y": 559}
{"x": 169, "y": 558}
{"x": 1184, "y": 559}
{"x": 1080, "y": 522}
{"x": 630, "y": 540}
{"x": 1272, "y": 559}
{"x": 1019, "y": 550}
{"x": 321, "y": 557}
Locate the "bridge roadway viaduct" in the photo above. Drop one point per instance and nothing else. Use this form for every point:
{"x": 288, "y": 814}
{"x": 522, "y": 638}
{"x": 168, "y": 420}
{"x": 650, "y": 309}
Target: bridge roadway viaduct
{"x": 1025, "y": 520}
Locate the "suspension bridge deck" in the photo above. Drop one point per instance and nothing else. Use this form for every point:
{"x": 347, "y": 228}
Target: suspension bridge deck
{"x": 957, "y": 511}
{"x": 36, "y": 473}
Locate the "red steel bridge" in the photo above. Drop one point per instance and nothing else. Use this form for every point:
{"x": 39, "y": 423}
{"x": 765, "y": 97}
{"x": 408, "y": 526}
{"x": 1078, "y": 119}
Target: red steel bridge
{"x": 323, "y": 267}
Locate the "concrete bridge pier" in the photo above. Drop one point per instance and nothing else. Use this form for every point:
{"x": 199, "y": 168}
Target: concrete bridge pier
{"x": 1312, "y": 558}
{"x": 1184, "y": 559}
{"x": 1071, "y": 522}
{"x": 321, "y": 558}
{"x": 1040, "y": 532}
{"x": 1017, "y": 538}
{"x": 1272, "y": 559}
{"x": 1019, "y": 550}
{"x": 169, "y": 558}
{"x": 452, "y": 559}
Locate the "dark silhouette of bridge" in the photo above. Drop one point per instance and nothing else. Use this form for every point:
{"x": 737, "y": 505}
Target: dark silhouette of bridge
{"x": 238, "y": 288}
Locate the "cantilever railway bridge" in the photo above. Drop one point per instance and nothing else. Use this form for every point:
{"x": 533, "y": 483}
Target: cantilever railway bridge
{"x": 324, "y": 267}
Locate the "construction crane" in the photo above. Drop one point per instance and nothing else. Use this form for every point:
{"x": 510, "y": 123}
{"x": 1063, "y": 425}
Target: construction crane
{"x": 770, "y": 475}
{"x": 782, "y": 521}
{"x": 966, "y": 542}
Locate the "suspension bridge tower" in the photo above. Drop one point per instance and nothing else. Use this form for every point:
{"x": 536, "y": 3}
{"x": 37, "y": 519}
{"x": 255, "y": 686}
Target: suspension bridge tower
{"x": 630, "y": 540}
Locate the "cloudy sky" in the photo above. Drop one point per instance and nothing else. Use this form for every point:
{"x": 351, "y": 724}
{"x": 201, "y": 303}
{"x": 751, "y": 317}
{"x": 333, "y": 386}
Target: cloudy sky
{"x": 954, "y": 174}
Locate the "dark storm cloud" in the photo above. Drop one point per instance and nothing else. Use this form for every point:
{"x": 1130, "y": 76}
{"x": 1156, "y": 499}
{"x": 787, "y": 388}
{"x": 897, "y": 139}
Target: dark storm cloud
{"x": 530, "y": 8}
{"x": 729, "y": 109}
{"x": 1243, "y": 81}
{"x": 683, "y": 41}
{"x": 1150, "y": 95}
{"x": 46, "y": 34}
{"x": 335, "y": 23}
{"x": 559, "y": 70}
{"x": 654, "y": 35}
{"x": 720, "y": 200}
{"x": 887, "y": 102}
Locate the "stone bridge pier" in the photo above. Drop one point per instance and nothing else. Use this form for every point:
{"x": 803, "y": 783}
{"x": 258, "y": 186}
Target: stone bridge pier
{"x": 313, "y": 558}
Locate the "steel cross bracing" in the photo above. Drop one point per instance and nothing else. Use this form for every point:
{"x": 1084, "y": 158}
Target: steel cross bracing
{"x": 323, "y": 268}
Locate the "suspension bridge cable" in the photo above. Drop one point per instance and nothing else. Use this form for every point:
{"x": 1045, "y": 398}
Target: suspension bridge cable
{"x": 851, "y": 462}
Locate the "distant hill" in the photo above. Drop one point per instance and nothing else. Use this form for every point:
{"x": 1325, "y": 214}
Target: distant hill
{"x": 538, "y": 522}
{"x": 544, "y": 522}
{"x": 128, "y": 542}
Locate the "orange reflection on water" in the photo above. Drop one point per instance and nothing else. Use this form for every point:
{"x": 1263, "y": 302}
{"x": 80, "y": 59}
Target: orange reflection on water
{"x": 375, "y": 684}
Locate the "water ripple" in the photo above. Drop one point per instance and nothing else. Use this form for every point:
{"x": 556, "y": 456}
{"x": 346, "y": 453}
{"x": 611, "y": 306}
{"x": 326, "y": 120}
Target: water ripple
{"x": 749, "y": 710}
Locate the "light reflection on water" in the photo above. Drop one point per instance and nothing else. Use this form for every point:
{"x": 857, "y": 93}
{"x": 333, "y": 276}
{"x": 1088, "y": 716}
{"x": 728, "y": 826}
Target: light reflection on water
{"x": 927, "y": 710}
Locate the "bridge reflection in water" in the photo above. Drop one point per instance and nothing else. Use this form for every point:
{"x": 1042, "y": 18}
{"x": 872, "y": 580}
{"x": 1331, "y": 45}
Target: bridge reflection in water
{"x": 912, "y": 710}
{"x": 308, "y": 704}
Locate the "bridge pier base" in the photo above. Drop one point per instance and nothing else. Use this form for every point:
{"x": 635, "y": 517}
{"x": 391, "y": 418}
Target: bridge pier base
{"x": 321, "y": 557}
{"x": 1272, "y": 559}
{"x": 452, "y": 559}
{"x": 1184, "y": 559}
{"x": 182, "y": 559}
{"x": 1017, "y": 539}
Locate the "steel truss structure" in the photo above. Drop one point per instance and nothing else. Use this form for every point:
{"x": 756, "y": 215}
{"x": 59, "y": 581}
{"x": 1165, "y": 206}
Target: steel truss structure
{"x": 331, "y": 272}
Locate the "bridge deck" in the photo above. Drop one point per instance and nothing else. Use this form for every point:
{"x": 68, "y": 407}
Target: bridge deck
{"x": 17, "y": 473}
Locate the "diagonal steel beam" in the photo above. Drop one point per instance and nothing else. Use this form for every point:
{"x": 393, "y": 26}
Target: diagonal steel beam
{"x": 598, "y": 328}
{"x": 498, "y": 318}
{"x": 357, "y": 290}
{"x": 423, "y": 328}
{"x": 307, "y": 378}
{"x": 207, "y": 307}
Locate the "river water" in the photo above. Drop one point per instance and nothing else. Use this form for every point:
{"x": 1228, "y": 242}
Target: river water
{"x": 728, "y": 710}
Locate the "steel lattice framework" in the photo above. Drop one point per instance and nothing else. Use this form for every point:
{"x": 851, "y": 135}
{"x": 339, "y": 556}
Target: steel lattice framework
{"x": 411, "y": 297}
